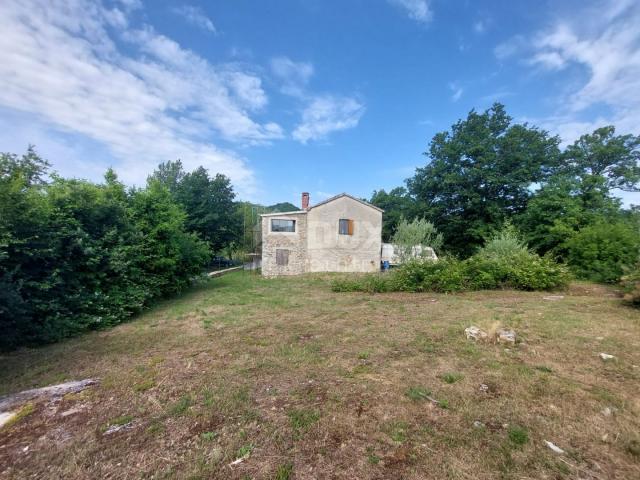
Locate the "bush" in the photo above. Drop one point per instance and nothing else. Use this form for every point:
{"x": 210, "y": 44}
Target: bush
{"x": 521, "y": 271}
{"x": 602, "y": 252}
{"x": 444, "y": 275}
{"x": 505, "y": 243}
{"x": 76, "y": 256}
{"x": 504, "y": 262}
{"x": 631, "y": 286}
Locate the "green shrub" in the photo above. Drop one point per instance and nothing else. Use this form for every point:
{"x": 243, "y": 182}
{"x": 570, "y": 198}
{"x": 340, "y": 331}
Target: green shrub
{"x": 531, "y": 272}
{"x": 444, "y": 275}
{"x": 631, "y": 285}
{"x": 505, "y": 243}
{"x": 486, "y": 270}
{"x": 602, "y": 252}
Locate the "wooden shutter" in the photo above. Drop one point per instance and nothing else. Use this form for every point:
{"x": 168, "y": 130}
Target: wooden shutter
{"x": 350, "y": 227}
{"x": 282, "y": 257}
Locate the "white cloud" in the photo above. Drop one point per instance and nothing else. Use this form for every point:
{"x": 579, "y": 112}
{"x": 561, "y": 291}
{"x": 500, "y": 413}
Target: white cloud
{"x": 195, "y": 16}
{"x": 416, "y": 9}
{"x": 456, "y": 91}
{"x": 327, "y": 114}
{"x": 294, "y": 75}
{"x": 603, "y": 43}
{"x": 157, "y": 101}
{"x": 322, "y": 114}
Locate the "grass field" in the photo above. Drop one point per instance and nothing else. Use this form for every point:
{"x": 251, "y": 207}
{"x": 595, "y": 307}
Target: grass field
{"x": 296, "y": 381}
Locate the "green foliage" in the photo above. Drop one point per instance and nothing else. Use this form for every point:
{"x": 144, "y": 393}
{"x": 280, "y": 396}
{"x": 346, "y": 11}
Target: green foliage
{"x": 631, "y": 285}
{"x": 505, "y": 243}
{"x": 76, "y": 255}
{"x": 445, "y": 275}
{"x": 480, "y": 173}
{"x": 605, "y": 159}
{"x": 604, "y": 251}
{"x": 409, "y": 235}
{"x": 518, "y": 435}
{"x": 504, "y": 262}
{"x": 281, "y": 207}
{"x": 451, "y": 377}
{"x": 207, "y": 201}
{"x": 396, "y": 205}
{"x": 417, "y": 393}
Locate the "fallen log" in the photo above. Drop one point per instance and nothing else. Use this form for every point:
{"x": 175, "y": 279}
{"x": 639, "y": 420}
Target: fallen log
{"x": 52, "y": 391}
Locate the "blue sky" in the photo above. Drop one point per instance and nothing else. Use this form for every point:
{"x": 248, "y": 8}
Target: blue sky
{"x": 322, "y": 96}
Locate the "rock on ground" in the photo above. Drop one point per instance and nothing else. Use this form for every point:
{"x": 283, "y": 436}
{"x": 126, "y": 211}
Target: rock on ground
{"x": 506, "y": 335}
{"x": 475, "y": 333}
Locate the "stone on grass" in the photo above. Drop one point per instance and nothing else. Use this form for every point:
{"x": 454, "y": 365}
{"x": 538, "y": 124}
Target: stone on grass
{"x": 478, "y": 424}
{"x": 475, "y": 333}
{"x": 6, "y": 417}
{"x": 553, "y": 297}
{"x": 505, "y": 335}
{"x": 116, "y": 428}
{"x": 554, "y": 447}
{"x": 608, "y": 411}
{"x": 606, "y": 356}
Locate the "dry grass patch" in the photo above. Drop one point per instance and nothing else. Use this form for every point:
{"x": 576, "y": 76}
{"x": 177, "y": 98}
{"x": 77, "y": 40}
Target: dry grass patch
{"x": 250, "y": 378}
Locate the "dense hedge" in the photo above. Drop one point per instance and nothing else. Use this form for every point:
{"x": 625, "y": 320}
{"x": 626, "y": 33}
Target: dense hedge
{"x": 521, "y": 270}
{"x": 75, "y": 255}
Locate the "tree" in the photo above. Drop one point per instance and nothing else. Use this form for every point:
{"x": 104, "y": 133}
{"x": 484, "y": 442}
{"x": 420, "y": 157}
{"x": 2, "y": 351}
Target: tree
{"x": 207, "y": 201}
{"x": 409, "y": 235}
{"x": 480, "y": 175}
{"x": 603, "y": 160}
{"x": 397, "y": 204}
{"x": 170, "y": 174}
{"x": 579, "y": 194}
{"x": 75, "y": 255}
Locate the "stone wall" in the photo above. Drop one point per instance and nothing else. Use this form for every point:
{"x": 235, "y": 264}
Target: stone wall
{"x": 328, "y": 251}
{"x": 294, "y": 242}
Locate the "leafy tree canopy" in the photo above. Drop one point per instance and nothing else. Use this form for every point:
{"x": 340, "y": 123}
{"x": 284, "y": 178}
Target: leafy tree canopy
{"x": 480, "y": 173}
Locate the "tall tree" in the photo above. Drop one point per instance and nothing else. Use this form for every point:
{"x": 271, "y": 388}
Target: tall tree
{"x": 604, "y": 160}
{"x": 170, "y": 174}
{"x": 480, "y": 174}
{"x": 579, "y": 194}
{"x": 208, "y": 202}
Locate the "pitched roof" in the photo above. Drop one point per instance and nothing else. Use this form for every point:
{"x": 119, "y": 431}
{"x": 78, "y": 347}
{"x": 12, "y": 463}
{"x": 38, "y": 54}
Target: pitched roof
{"x": 335, "y": 197}
{"x": 345, "y": 195}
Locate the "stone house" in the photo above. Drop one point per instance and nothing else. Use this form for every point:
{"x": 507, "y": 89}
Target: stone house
{"x": 340, "y": 234}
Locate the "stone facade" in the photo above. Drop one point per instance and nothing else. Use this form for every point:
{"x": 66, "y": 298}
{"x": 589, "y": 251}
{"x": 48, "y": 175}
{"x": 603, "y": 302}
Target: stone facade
{"x": 317, "y": 245}
{"x": 328, "y": 251}
{"x": 294, "y": 243}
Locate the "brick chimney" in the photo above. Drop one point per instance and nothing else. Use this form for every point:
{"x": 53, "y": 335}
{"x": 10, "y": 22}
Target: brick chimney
{"x": 305, "y": 200}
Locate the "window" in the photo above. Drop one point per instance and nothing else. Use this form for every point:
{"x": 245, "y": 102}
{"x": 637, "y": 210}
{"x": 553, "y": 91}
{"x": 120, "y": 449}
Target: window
{"x": 278, "y": 225}
{"x": 282, "y": 257}
{"x": 345, "y": 226}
